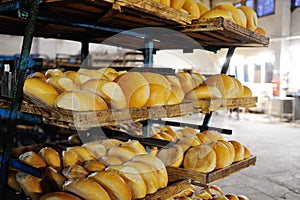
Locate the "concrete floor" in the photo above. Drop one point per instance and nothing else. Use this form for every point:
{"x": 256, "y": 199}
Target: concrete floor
{"x": 276, "y": 144}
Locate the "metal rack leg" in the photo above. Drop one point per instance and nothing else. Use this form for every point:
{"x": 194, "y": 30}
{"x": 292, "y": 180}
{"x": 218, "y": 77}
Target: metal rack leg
{"x": 84, "y": 54}
{"x": 23, "y": 65}
{"x": 148, "y": 52}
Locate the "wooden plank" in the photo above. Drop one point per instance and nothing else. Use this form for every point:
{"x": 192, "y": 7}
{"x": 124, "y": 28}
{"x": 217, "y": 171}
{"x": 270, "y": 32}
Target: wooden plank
{"x": 85, "y": 120}
{"x": 169, "y": 191}
{"x": 206, "y": 178}
{"x": 205, "y": 106}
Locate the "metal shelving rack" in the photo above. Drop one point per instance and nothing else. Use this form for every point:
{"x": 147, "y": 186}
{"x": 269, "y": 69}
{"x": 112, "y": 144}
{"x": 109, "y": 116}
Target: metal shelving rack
{"x": 59, "y": 19}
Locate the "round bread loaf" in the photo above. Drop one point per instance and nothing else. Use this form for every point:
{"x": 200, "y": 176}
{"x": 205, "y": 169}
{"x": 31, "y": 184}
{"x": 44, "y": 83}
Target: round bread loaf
{"x": 238, "y": 16}
{"x": 108, "y": 143}
{"x": 223, "y": 197}
{"x": 240, "y": 91}
{"x": 80, "y": 101}
{"x": 243, "y": 197}
{"x": 201, "y": 158}
{"x": 214, "y": 136}
{"x": 62, "y": 83}
{"x": 160, "y": 89}
{"x": 166, "y": 2}
{"x": 224, "y": 83}
{"x": 172, "y": 156}
{"x": 176, "y": 96}
{"x": 148, "y": 174}
{"x": 94, "y": 74}
{"x": 239, "y": 150}
{"x": 51, "y": 157}
{"x": 124, "y": 153}
{"x": 203, "y": 9}
{"x": 12, "y": 181}
{"x": 86, "y": 189}
{"x": 247, "y": 153}
{"x": 77, "y": 77}
{"x": 186, "y": 80}
{"x": 215, "y": 190}
{"x": 203, "y": 138}
{"x": 247, "y": 92}
{"x": 230, "y": 148}
{"x": 59, "y": 196}
{"x": 30, "y": 185}
{"x": 251, "y": 15}
{"x": 39, "y": 92}
{"x": 157, "y": 165}
{"x": 133, "y": 178}
{"x": 116, "y": 187}
{"x": 135, "y": 87}
{"x": 203, "y": 194}
{"x": 135, "y": 146}
{"x": 54, "y": 179}
{"x": 260, "y": 31}
{"x": 223, "y": 155}
{"x": 191, "y": 7}
{"x": 109, "y": 160}
{"x": 188, "y": 141}
{"x": 96, "y": 148}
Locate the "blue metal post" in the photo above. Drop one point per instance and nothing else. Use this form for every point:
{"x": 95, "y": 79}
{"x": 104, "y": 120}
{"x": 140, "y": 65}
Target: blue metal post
{"x": 148, "y": 52}
{"x": 17, "y": 96}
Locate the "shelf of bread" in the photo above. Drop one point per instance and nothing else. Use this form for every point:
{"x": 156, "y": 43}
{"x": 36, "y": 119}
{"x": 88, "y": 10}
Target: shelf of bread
{"x": 108, "y": 168}
{"x": 206, "y": 178}
{"x": 206, "y": 106}
{"x": 82, "y": 16}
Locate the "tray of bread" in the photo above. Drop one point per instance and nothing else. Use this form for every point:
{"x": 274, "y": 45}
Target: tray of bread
{"x": 202, "y": 156}
{"x": 93, "y": 98}
{"x": 108, "y": 168}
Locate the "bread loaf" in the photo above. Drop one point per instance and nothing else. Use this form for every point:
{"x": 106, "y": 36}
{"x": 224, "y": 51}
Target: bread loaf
{"x": 247, "y": 153}
{"x": 215, "y": 190}
{"x": 243, "y": 197}
{"x": 172, "y": 156}
{"x": 53, "y": 72}
{"x": 59, "y": 196}
{"x": 160, "y": 89}
{"x": 77, "y": 77}
{"x": 204, "y": 139}
{"x": 54, "y": 179}
{"x": 93, "y": 165}
{"x": 186, "y": 80}
{"x": 217, "y": 13}
{"x": 192, "y": 8}
{"x": 238, "y": 16}
{"x": 51, "y": 157}
{"x": 201, "y": 7}
{"x": 93, "y": 74}
{"x": 201, "y": 158}
{"x": 124, "y": 153}
{"x": 80, "y": 101}
{"x": 12, "y": 181}
{"x": 251, "y": 15}
{"x": 204, "y": 92}
{"x": 39, "y": 92}
{"x": 135, "y": 146}
{"x": 116, "y": 187}
{"x": 223, "y": 155}
{"x": 133, "y": 178}
{"x": 239, "y": 150}
{"x": 70, "y": 158}
{"x": 148, "y": 174}
{"x": 231, "y": 197}
{"x": 157, "y": 165}
{"x": 33, "y": 159}
{"x": 62, "y": 83}
{"x": 177, "y": 4}
{"x": 188, "y": 141}
{"x": 260, "y": 31}
{"x": 166, "y": 2}
{"x": 230, "y": 148}
{"x": 247, "y": 92}
{"x": 223, "y": 197}
{"x": 96, "y": 149}
{"x": 111, "y": 92}
{"x": 109, "y": 160}
{"x": 30, "y": 185}
{"x": 135, "y": 87}
{"x": 86, "y": 189}
{"x": 38, "y": 75}
{"x": 240, "y": 88}
{"x": 224, "y": 83}
{"x": 74, "y": 171}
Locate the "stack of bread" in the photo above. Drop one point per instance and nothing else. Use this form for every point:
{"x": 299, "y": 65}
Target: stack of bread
{"x": 199, "y": 151}
{"x": 243, "y": 15}
{"x": 209, "y": 193}
{"x": 109, "y": 169}
{"x": 102, "y": 89}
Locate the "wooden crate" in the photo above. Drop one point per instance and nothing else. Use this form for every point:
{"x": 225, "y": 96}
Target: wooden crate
{"x": 88, "y": 119}
{"x": 205, "y": 106}
{"x": 175, "y": 173}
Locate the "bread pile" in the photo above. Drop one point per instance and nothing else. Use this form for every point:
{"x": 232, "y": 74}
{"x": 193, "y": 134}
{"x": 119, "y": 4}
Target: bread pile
{"x": 110, "y": 169}
{"x": 209, "y": 193}
{"x": 243, "y": 15}
{"x": 102, "y": 89}
{"x": 199, "y": 151}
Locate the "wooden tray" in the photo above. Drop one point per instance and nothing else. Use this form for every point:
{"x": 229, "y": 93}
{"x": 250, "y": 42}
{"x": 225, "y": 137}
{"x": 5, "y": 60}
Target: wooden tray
{"x": 223, "y": 33}
{"x": 205, "y": 106}
{"x": 203, "y": 178}
{"x": 85, "y": 120}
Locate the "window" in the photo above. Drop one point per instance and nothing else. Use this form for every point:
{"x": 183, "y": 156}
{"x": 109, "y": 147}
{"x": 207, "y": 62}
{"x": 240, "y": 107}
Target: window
{"x": 295, "y": 4}
{"x": 265, "y": 7}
